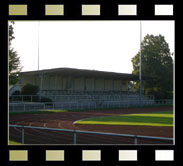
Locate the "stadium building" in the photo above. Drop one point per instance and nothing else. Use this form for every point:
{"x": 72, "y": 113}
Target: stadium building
{"x": 86, "y": 88}
{"x": 55, "y": 81}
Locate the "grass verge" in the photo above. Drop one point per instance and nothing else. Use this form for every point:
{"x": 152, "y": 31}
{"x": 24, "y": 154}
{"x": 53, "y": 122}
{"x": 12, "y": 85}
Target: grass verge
{"x": 14, "y": 143}
{"x": 152, "y": 119}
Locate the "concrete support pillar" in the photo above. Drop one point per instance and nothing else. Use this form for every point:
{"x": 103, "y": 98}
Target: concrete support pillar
{"x": 62, "y": 83}
{"x": 113, "y": 85}
{"x": 56, "y": 83}
{"x": 84, "y": 79}
{"x": 94, "y": 84}
{"x": 73, "y": 83}
{"x": 104, "y": 84}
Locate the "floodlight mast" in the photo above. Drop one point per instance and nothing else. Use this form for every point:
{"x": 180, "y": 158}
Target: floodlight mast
{"x": 40, "y": 75}
{"x": 38, "y": 44}
{"x": 140, "y": 66}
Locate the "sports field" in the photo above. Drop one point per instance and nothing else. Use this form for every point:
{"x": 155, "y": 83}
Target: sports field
{"x": 148, "y": 119}
{"x": 155, "y": 121}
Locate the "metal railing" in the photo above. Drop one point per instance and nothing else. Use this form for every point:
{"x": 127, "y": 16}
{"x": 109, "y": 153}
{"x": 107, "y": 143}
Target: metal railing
{"x": 28, "y": 106}
{"x": 75, "y": 132}
{"x": 164, "y": 102}
{"x": 25, "y": 107}
{"x": 74, "y": 98}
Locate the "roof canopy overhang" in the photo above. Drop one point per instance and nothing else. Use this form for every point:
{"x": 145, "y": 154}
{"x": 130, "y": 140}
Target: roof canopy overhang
{"x": 73, "y": 72}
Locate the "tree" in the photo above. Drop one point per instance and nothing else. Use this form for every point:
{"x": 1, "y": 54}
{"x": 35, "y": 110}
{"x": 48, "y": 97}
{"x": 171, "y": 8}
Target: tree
{"x": 29, "y": 89}
{"x": 14, "y": 59}
{"x": 157, "y": 63}
{"x": 32, "y": 90}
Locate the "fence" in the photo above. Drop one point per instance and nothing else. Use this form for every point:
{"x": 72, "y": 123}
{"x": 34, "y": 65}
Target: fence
{"x": 27, "y": 106}
{"x": 23, "y": 107}
{"x": 75, "y": 98}
{"x": 164, "y": 102}
{"x": 74, "y": 134}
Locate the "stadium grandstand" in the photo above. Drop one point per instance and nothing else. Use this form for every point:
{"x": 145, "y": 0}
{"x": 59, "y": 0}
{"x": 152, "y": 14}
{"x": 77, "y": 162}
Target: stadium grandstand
{"x": 86, "y": 88}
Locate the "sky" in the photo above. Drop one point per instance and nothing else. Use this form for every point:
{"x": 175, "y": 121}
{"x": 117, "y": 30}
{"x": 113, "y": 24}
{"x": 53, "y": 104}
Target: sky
{"x": 95, "y": 45}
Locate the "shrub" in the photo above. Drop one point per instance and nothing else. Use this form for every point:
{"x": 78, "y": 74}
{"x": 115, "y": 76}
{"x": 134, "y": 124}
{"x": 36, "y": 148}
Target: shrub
{"x": 29, "y": 89}
{"x": 43, "y": 99}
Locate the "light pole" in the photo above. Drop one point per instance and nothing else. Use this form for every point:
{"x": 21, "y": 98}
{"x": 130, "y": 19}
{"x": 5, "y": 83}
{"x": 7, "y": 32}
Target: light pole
{"x": 39, "y": 74}
{"x": 38, "y": 44}
{"x": 140, "y": 67}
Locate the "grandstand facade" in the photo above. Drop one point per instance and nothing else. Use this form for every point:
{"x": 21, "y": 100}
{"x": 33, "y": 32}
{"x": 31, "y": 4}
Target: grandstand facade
{"x": 79, "y": 88}
{"x": 56, "y": 81}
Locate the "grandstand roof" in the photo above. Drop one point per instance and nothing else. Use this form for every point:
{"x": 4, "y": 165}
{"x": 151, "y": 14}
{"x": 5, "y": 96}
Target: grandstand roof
{"x": 73, "y": 72}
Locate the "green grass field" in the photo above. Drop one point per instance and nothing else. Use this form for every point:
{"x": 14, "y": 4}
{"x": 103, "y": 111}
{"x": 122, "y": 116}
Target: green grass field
{"x": 14, "y": 143}
{"x": 147, "y": 119}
